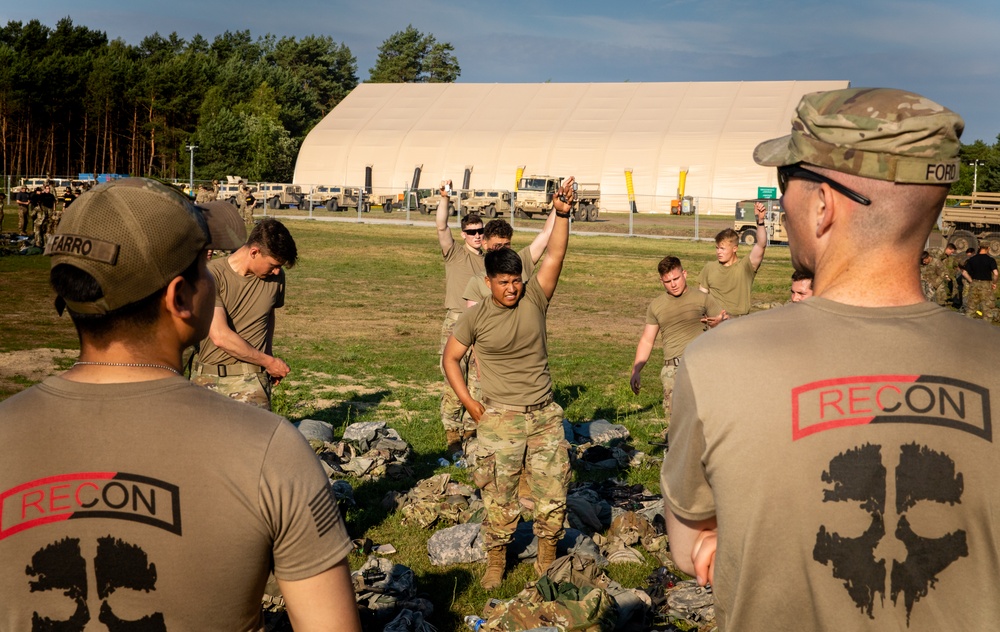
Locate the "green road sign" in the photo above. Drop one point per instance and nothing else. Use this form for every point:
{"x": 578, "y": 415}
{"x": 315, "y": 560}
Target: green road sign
{"x": 767, "y": 193}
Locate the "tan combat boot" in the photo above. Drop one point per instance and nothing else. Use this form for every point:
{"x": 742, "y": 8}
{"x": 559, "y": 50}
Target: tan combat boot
{"x": 454, "y": 440}
{"x": 546, "y": 555}
{"x": 496, "y": 564}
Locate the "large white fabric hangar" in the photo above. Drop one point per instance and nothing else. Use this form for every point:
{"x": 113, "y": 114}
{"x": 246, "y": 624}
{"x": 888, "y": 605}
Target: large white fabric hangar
{"x": 690, "y": 140}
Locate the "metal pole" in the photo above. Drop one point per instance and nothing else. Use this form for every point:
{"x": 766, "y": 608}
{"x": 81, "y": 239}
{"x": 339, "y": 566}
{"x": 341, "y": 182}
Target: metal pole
{"x": 191, "y": 149}
{"x": 975, "y": 176}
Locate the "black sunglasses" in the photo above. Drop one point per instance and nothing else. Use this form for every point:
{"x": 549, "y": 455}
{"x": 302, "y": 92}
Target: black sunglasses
{"x": 472, "y": 231}
{"x": 798, "y": 171}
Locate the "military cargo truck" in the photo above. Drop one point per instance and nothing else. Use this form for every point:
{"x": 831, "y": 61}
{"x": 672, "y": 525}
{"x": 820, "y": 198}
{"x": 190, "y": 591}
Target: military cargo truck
{"x": 278, "y": 196}
{"x": 968, "y": 220}
{"x": 746, "y": 222}
{"x": 534, "y": 197}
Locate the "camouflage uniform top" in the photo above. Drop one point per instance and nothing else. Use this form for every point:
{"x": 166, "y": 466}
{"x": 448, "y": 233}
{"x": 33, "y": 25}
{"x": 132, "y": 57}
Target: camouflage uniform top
{"x": 933, "y": 272}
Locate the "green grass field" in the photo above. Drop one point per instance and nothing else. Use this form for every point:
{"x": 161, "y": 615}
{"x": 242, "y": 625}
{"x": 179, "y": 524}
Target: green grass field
{"x": 360, "y": 330}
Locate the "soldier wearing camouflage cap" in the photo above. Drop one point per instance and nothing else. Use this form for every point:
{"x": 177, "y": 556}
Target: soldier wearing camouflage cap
{"x": 854, "y": 485}
{"x": 132, "y": 499}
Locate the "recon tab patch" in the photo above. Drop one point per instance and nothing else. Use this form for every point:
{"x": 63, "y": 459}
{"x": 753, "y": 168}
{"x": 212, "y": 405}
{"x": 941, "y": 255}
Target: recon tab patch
{"x": 80, "y": 246}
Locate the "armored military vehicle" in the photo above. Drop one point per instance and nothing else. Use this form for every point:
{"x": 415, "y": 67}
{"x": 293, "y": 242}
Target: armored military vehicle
{"x": 337, "y": 198}
{"x": 278, "y": 196}
{"x": 746, "y": 222}
{"x": 487, "y": 203}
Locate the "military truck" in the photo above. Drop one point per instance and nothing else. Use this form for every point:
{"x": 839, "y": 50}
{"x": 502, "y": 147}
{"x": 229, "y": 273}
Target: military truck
{"x": 337, "y": 198}
{"x": 230, "y": 189}
{"x": 487, "y": 203}
{"x": 534, "y": 197}
{"x": 278, "y": 196}
{"x": 429, "y": 204}
{"x": 968, "y": 220}
{"x": 746, "y": 222}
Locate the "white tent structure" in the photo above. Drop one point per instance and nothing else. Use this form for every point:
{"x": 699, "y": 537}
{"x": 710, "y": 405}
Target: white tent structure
{"x": 594, "y": 131}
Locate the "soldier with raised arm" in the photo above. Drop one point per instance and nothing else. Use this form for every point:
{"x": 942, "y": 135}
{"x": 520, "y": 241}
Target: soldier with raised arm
{"x": 520, "y": 430}
{"x": 463, "y": 260}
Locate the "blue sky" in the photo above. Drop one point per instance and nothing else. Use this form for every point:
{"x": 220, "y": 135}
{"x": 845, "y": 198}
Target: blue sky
{"x": 947, "y": 51}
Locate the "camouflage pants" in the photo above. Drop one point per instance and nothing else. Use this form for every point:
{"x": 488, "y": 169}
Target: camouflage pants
{"x": 247, "y": 213}
{"x": 23, "y": 219}
{"x": 53, "y": 223}
{"x": 981, "y": 301}
{"x": 249, "y": 388}
{"x": 512, "y": 445}
{"x": 943, "y": 293}
{"x": 667, "y": 374}
{"x": 41, "y": 220}
{"x": 453, "y": 415}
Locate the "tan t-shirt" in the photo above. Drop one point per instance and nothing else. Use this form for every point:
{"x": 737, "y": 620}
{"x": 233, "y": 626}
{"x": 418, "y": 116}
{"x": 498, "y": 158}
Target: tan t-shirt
{"x": 179, "y": 499}
{"x": 476, "y": 290}
{"x": 679, "y": 318}
{"x": 510, "y": 347}
{"x": 460, "y": 265}
{"x": 851, "y": 465}
{"x": 248, "y": 302}
{"x": 730, "y": 285}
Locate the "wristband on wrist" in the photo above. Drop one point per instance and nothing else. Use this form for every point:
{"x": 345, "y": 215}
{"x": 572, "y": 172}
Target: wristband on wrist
{"x": 760, "y": 223}
{"x": 566, "y": 214}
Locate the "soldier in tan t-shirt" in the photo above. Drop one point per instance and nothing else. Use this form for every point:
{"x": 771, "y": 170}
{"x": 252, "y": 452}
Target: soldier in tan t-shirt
{"x": 729, "y": 278}
{"x": 681, "y": 315}
{"x": 236, "y": 359}
{"x": 829, "y": 467}
{"x": 161, "y": 506}
{"x": 463, "y": 260}
{"x": 519, "y": 423}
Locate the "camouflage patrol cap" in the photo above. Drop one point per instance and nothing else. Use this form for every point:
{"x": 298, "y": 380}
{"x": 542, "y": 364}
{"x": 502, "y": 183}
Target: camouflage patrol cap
{"x": 878, "y": 133}
{"x": 133, "y": 235}
{"x": 226, "y": 225}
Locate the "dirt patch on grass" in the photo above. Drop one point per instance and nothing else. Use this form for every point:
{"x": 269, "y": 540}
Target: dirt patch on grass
{"x": 19, "y": 368}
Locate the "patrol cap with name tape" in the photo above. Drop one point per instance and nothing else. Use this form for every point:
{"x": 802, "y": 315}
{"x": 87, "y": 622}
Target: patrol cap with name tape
{"x": 878, "y": 133}
{"x": 133, "y": 235}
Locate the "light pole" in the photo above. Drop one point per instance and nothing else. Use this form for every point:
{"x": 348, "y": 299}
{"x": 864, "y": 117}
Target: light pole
{"x": 191, "y": 149}
{"x": 975, "y": 174}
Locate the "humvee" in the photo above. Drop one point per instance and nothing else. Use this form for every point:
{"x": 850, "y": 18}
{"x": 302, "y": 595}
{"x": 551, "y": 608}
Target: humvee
{"x": 746, "y": 222}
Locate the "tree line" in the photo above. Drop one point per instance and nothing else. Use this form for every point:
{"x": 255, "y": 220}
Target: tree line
{"x": 73, "y": 101}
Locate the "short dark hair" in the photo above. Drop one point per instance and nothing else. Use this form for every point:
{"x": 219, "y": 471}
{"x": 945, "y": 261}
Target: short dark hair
{"x": 950, "y": 245}
{"x": 498, "y": 228}
{"x": 667, "y": 264}
{"x": 128, "y": 321}
{"x": 502, "y": 261}
{"x": 274, "y": 240}
{"x": 799, "y": 275}
{"x": 471, "y": 218}
{"x": 727, "y": 234}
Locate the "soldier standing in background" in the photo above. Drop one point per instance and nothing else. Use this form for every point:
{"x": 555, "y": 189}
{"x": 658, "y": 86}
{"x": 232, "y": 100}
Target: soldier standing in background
{"x": 681, "y": 315}
{"x": 45, "y": 206}
{"x": 23, "y": 200}
{"x": 3, "y": 203}
{"x": 981, "y": 274}
{"x": 236, "y": 359}
{"x": 933, "y": 278}
{"x": 950, "y": 262}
